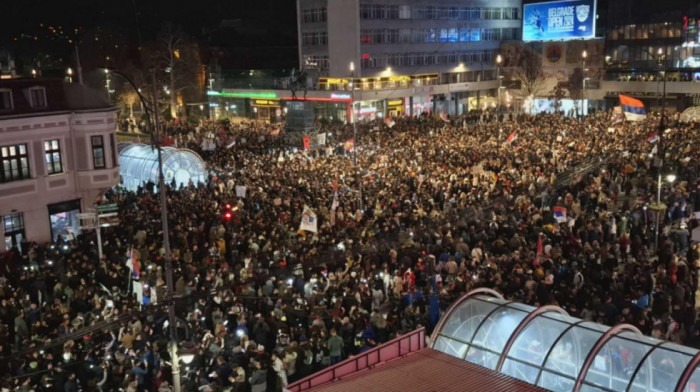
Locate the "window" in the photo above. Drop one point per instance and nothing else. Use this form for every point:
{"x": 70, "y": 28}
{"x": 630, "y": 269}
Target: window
{"x": 405, "y": 36}
{"x": 98, "y": 152}
{"x": 454, "y": 13}
{"x": 52, "y": 154}
{"x": 464, "y": 34}
{"x": 5, "y": 99}
{"x": 392, "y": 36}
{"x": 429, "y": 35}
{"x": 392, "y": 12}
{"x": 14, "y": 230}
{"x": 314, "y": 15}
{"x": 404, "y": 12}
{"x": 476, "y": 35}
{"x": 15, "y": 163}
{"x": 443, "y": 35}
{"x": 37, "y": 97}
{"x": 453, "y": 35}
{"x": 314, "y": 38}
{"x": 443, "y": 12}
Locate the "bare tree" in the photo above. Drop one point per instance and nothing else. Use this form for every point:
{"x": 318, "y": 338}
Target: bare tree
{"x": 127, "y": 99}
{"x": 179, "y": 59}
{"x": 529, "y": 74}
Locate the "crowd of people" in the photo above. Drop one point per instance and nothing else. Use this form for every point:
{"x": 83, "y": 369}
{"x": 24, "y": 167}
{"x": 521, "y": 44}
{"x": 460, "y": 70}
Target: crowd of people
{"x": 425, "y": 208}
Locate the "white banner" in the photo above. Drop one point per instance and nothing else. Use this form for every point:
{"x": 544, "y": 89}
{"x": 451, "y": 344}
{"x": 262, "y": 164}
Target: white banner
{"x": 240, "y": 191}
{"x": 308, "y": 220}
{"x": 321, "y": 139}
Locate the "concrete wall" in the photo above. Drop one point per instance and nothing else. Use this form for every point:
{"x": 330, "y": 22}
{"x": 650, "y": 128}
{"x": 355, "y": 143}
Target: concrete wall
{"x": 343, "y": 37}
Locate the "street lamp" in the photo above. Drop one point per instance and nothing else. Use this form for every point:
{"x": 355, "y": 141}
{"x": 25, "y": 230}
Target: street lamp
{"x": 584, "y": 55}
{"x": 34, "y": 73}
{"x": 499, "y": 59}
{"x": 354, "y": 132}
{"x": 69, "y": 72}
{"x": 172, "y": 319}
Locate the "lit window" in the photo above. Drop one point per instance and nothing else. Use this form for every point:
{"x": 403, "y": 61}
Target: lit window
{"x": 52, "y": 154}
{"x": 15, "y": 163}
{"x": 98, "y": 152}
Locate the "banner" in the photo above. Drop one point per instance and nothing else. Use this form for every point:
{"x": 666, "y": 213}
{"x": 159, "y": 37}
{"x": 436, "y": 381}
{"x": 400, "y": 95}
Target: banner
{"x": 307, "y": 142}
{"x": 559, "y": 214}
{"x": 559, "y": 20}
{"x": 349, "y": 144}
{"x": 240, "y": 191}
{"x": 133, "y": 263}
{"x": 321, "y": 139}
{"x": 308, "y": 220}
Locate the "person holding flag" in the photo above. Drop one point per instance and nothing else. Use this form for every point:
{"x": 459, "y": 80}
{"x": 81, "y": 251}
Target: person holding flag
{"x": 633, "y": 108}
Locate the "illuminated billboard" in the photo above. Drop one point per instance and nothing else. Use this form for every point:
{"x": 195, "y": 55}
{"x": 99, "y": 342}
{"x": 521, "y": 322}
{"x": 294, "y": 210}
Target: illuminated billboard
{"x": 559, "y": 20}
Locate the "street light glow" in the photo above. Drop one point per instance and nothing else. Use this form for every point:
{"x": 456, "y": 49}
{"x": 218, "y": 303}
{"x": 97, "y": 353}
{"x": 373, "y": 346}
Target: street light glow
{"x": 499, "y": 59}
{"x": 352, "y": 66}
{"x": 671, "y": 178}
{"x": 584, "y": 54}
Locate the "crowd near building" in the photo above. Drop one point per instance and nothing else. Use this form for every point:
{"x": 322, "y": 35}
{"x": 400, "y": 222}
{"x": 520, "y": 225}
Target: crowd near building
{"x": 510, "y": 179}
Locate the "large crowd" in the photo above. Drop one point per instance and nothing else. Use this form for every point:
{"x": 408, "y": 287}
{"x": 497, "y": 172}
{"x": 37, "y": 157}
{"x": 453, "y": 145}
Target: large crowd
{"x": 431, "y": 207}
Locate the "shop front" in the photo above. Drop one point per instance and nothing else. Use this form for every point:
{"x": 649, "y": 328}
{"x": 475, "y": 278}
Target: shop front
{"x": 63, "y": 218}
{"x": 268, "y": 110}
{"x": 395, "y": 107}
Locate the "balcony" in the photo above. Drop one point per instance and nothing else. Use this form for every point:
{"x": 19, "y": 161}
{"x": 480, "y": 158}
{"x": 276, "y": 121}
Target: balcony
{"x": 648, "y": 87}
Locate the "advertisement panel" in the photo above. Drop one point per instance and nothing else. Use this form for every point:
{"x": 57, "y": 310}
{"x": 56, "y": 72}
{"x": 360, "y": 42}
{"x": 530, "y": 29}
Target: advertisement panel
{"x": 559, "y": 20}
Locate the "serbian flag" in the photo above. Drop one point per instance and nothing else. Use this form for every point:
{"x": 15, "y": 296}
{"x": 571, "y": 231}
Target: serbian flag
{"x": 274, "y": 131}
{"x": 443, "y": 116}
{"x": 633, "y": 108}
{"x": 133, "y": 263}
{"x": 653, "y": 138}
{"x": 307, "y": 142}
{"x": 559, "y": 214}
{"x": 512, "y": 137}
{"x": 389, "y": 121}
{"x": 349, "y": 144}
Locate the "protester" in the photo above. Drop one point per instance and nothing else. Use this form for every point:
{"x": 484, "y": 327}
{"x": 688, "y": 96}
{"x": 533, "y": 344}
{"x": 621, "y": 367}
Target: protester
{"x": 560, "y": 213}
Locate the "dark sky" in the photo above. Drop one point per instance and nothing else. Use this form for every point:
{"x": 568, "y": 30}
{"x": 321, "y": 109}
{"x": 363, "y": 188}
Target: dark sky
{"x": 192, "y": 15}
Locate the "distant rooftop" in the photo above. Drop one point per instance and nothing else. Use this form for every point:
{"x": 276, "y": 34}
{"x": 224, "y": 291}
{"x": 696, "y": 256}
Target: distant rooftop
{"x": 20, "y": 97}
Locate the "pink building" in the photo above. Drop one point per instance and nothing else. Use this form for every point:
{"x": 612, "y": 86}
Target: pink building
{"x": 57, "y": 156}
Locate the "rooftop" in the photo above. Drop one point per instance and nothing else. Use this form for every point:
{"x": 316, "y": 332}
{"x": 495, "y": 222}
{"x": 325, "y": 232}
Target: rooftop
{"x": 19, "y": 97}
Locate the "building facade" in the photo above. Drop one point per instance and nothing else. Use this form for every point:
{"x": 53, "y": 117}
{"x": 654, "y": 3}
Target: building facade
{"x": 638, "y": 50}
{"x": 59, "y": 155}
{"x": 430, "y": 55}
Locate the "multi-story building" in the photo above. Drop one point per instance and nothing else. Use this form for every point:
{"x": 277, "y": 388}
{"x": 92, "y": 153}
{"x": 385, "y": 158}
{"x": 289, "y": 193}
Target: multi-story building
{"x": 639, "y": 47}
{"x": 409, "y": 56}
{"x": 58, "y": 156}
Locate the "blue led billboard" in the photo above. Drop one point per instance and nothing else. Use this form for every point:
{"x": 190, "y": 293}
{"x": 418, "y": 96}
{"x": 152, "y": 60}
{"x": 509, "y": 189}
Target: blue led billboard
{"x": 559, "y": 20}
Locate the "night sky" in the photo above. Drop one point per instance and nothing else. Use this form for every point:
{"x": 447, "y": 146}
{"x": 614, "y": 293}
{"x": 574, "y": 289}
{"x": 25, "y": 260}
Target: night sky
{"x": 141, "y": 17}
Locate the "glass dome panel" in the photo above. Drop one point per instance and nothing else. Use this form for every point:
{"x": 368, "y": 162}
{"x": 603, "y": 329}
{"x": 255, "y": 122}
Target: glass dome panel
{"x": 693, "y": 384}
{"x": 482, "y": 358}
{"x": 450, "y": 347}
{"x": 662, "y": 369}
{"x": 139, "y": 164}
{"x": 614, "y": 364}
{"x": 555, "y": 382}
{"x": 569, "y": 353}
{"x": 497, "y": 328}
{"x": 464, "y": 321}
{"x": 520, "y": 371}
{"x": 535, "y": 341}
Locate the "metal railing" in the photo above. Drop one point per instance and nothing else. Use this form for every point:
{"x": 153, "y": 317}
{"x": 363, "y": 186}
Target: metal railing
{"x": 396, "y": 348}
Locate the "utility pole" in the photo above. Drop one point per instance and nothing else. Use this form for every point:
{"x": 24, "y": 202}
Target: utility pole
{"x": 172, "y": 319}
{"x": 78, "y": 68}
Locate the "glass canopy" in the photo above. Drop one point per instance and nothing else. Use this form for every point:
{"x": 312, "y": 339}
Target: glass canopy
{"x": 139, "y": 163}
{"x": 546, "y": 347}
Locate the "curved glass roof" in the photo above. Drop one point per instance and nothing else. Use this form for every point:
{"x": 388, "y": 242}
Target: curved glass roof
{"x": 548, "y": 348}
{"x": 139, "y": 163}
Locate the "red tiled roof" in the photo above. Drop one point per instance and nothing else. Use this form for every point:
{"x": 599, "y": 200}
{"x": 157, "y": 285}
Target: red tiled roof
{"x": 428, "y": 370}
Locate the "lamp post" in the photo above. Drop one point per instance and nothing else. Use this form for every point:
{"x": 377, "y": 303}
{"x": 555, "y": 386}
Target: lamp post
{"x": 172, "y": 319}
{"x": 69, "y": 72}
{"x": 584, "y": 55}
{"x": 661, "y": 153}
{"x": 499, "y": 59}
{"x": 107, "y": 86}
{"x": 354, "y": 134}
